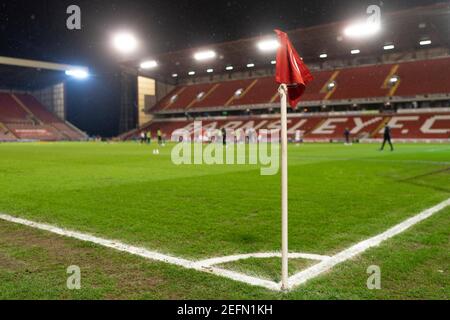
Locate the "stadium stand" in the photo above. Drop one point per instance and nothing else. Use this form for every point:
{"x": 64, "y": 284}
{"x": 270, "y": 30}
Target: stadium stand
{"x": 424, "y": 77}
{"x": 35, "y": 107}
{"x": 6, "y": 134}
{"x": 11, "y": 111}
{"x": 406, "y": 85}
{"x": 224, "y": 94}
{"x": 23, "y": 117}
{"x": 318, "y": 88}
{"x": 384, "y": 81}
{"x": 259, "y": 91}
{"x": 364, "y": 82}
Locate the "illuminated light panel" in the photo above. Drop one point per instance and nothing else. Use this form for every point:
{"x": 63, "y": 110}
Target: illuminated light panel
{"x": 125, "y": 42}
{"x": 149, "y": 64}
{"x": 362, "y": 30}
{"x": 80, "y": 74}
{"x": 205, "y": 55}
{"x": 268, "y": 45}
{"x": 425, "y": 42}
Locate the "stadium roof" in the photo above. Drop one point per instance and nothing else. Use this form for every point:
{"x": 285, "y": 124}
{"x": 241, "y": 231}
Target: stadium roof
{"x": 405, "y": 29}
{"x": 31, "y": 74}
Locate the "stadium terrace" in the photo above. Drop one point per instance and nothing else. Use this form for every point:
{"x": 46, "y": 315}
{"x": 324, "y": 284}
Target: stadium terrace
{"x": 400, "y": 84}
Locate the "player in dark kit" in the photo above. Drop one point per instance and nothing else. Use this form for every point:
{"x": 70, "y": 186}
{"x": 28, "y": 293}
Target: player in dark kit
{"x": 160, "y": 138}
{"x": 347, "y": 136}
{"x": 224, "y": 136}
{"x": 387, "y": 138}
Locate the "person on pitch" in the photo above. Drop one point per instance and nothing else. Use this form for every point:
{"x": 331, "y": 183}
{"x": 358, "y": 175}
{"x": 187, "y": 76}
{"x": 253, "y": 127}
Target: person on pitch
{"x": 224, "y": 136}
{"x": 387, "y": 138}
{"x": 347, "y": 136}
{"x": 160, "y": 137}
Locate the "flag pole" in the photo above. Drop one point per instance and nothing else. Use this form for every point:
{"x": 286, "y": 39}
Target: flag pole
{"x": 284, "y": 190}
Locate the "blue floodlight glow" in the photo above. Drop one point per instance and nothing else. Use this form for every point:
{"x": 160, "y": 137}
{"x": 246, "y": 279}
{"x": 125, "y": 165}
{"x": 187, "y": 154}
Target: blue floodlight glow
{"x": 80, "y": 74}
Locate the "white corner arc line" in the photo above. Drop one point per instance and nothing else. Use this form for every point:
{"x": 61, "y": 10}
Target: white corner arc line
{"x": 227, "y": 259}
{"x": 326, "y": 265}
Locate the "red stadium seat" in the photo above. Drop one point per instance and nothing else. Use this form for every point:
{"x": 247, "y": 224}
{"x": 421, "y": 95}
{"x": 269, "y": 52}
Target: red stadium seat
{"x": 415, "y": 78}
{"x": 23, "y": 117}
{"x": 424, "y": 77}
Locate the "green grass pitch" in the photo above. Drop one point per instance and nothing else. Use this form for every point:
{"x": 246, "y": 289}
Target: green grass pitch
{"x": 338, "y": 195}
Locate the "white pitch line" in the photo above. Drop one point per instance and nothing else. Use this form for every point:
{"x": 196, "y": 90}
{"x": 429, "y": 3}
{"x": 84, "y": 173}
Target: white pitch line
{"x": 117, "y": 245}
{"x": 222, "y": 260}
{"x": 326, "y": 265}
{"x": 144, "y": 253}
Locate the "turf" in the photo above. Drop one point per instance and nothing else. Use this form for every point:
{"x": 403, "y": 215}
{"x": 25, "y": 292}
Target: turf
{"x": 338, "y": 196}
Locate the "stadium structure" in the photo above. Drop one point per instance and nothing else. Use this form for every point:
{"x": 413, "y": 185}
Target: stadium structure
{"x": 33, "y": 101}
{"x": 398, "y": 77}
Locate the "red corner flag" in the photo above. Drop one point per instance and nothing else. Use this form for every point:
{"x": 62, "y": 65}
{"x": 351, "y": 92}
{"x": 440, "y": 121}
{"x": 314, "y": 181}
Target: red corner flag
{"x": 291, "y": 70}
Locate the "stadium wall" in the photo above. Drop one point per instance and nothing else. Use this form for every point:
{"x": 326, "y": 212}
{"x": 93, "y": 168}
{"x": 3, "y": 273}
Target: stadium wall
{"x": 146, "y": 97}
{"x": 409, "y": 125}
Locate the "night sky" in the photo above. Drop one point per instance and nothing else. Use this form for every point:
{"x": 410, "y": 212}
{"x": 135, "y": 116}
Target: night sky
{"x": 37, "y": 30}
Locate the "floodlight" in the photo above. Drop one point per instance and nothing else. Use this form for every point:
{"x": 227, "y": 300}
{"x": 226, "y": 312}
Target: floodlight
{"x": 355, "y": 51}
{"x": 191, "y": 73}
{"x": 323, "y": 56}
{"x": 125, "y": 42}
{"x": 425, "y": 42}
{"x": 210, "y": 70}
{"x": 204, "y": 55}
{"x": 175, "y": 75}
{"x": 250, "y": 65}
{"x": 268, "y": 45}
{"x": 149, "y": 64}
{"x": 362, "y": 30}
{"x": 389, "y": 47}
{"x": 273, "y": 62}
{"x": 229, "y": 68}
{"x": 79, "y": 74}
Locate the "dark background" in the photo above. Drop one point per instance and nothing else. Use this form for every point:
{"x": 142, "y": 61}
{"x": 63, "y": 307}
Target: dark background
{"x": 37, "y": 30}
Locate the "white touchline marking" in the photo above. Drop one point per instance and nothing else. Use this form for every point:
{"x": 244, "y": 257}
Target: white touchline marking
{"x": 100, "y": 241}
{"x": 142, "y": 252}
{"x": 325, "y": 262}
{"x": 324, "y": 266}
